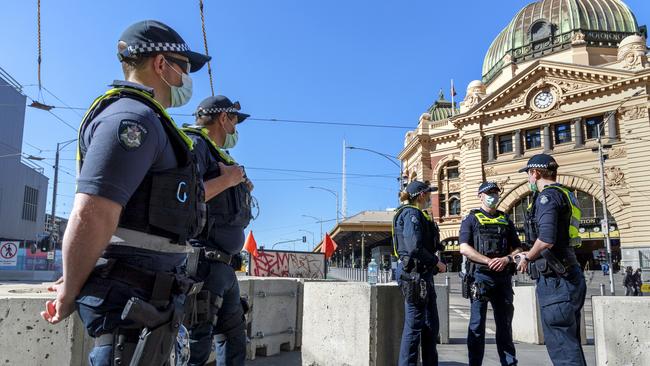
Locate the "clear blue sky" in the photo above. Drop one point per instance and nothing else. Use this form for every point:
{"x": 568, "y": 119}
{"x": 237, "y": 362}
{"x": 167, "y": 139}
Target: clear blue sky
{"x": 359, "y": 61}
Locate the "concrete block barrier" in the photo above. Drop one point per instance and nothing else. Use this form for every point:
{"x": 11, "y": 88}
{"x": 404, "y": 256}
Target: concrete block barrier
{"x": 28, "y": 340}
{"x": 621, "y": 330}
{"x": 272, "y": 319}
{"x": 527, "y": 320}
{"x": 337, "y": 314}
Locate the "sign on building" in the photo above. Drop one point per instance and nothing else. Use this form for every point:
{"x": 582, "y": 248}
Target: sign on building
{"x": 9, "y": 253}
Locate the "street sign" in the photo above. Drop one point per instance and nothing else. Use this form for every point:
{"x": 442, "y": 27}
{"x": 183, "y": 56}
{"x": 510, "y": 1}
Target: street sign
{"x": 8, "y": 253}
{"x": 50, "y": 255}
{"x": 604, "y": 227}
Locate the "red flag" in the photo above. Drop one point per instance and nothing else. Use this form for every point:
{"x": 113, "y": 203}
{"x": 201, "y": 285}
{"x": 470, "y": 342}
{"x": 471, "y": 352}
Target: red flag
{"x": 328, "y": 247}
{"x": 250, "y": 245}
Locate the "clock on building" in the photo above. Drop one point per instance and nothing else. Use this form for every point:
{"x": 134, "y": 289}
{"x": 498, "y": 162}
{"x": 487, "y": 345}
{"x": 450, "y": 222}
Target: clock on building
{"x": 544, "y": 99}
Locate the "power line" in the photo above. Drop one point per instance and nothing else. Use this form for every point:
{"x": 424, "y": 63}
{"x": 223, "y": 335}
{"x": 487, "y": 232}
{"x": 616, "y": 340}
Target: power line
{"x": 319, "y": 172}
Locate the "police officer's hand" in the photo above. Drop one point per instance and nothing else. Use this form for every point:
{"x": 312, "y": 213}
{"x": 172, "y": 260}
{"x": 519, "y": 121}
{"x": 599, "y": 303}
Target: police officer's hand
{"x": 522, "y": 265}
{"x": 61, "y": 307}
{"x": 249, "y": 184}
{"x": 234, "y": 174}
{"x": 498, "y": 264}
{"x": 441, "y": 267}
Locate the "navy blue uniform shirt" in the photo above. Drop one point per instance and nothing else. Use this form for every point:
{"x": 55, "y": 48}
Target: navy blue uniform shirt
{"x": 227, "y": 238}
{"x": 470, "y": 225}
{"x": 552, "y": 214}
{"x": 418, "y": 241}
{"x": 124, "y": 142}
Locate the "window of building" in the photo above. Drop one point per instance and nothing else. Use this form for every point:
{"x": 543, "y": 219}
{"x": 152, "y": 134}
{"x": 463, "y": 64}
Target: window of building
{"x": 505, "y": 144}
{"x": 591, "y": 126}
{"x": 533, "y": 138}
{"x": 454, "y": 204}
{"x": 562, "y": 133}
{"x": 30, "y": 204}
{"x": 443, "y": 205}
{"x": 450, "y": 171}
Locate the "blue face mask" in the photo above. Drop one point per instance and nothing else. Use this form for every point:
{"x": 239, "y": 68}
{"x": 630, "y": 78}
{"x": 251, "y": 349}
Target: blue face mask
{"x": 180, "y": 95}
{"x": 492, "y": 200}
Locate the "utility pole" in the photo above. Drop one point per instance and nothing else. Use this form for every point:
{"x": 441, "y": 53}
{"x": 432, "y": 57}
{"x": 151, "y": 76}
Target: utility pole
{"x": 55, "y": 186}
{"x": 605, "y": 222}
{"x": 344, "y": 194}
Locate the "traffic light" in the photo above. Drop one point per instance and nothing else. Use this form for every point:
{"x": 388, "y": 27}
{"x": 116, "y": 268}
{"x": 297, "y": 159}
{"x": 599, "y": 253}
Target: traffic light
{"x": 304, "y": 239}
{"x": 45, "y": 243}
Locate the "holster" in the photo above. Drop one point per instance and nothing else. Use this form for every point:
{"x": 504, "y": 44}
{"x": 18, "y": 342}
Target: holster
{"x": 197, "y": 309}
{"x": 156, "y": 342}
{"x": 466, "y": 284}
{"x": 553, "y": 263}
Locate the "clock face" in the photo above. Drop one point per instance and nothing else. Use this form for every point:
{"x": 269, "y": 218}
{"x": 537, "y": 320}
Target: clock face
{"x": 543, "y": 99}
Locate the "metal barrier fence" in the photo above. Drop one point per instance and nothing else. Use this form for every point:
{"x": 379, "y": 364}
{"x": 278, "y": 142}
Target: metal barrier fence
{"x": 358, "y": 274}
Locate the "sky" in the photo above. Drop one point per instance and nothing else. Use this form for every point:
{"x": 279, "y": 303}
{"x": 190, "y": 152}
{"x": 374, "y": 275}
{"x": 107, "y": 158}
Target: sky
{"x": 363, "y": 61}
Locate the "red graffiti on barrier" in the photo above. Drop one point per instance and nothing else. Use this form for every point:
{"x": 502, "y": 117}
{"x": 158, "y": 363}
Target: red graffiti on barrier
{"x": 286, "y": 264}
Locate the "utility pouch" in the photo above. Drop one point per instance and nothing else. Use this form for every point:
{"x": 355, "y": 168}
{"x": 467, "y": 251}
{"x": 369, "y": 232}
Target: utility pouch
{"x": 554, "y": 265}
{"x": 197, "y": 309}
{"x": 156, "y": 343}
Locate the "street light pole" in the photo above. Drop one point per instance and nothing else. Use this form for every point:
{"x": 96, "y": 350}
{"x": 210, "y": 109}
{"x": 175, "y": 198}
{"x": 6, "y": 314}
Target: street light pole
{"x": 312, "y": 236}
{"x": 391, "y": 158}
{"x": 319, "y": 221}
{"x": 336, "y": 196}
{"x": 605, "y": 222}
{"x": 55, "y": 185}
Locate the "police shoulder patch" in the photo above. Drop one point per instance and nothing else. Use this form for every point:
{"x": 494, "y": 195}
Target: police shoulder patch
{"x": 131, "y": 134}
{"x": 543, "y": 199}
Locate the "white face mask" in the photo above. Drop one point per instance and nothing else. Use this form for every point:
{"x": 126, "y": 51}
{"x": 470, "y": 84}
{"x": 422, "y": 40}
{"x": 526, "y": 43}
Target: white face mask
{"x": 180, "y": 95}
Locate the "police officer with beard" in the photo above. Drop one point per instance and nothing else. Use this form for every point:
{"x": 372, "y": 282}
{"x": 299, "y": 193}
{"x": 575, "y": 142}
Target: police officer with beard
{"x": 228, "y": 195}
{"x": 488, "y": 240}
{"x": 551, "y": 227}
{"x": 416, "y": 239}
{"x": 139, "y": 199}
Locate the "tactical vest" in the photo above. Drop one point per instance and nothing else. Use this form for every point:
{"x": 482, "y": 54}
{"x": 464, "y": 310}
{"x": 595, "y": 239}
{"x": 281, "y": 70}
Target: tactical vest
{"x": 231, "y": 207}
{"x": 169, "y": 203}
{"x": 431, "y": 231}
{"x": 531, "y": 227}
{"x": 491, "y": 238}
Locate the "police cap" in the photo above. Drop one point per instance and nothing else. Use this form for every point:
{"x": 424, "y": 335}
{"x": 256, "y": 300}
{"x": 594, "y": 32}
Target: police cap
{"x": 540, "y": 161}
{"x": 488, "y": 186}
{"x": 152, "y": 36}
{"x": 217, "y": 104}
{"x": 416, "y": 187}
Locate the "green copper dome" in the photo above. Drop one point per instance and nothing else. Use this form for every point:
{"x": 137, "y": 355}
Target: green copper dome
{"x": 547, "y": 26}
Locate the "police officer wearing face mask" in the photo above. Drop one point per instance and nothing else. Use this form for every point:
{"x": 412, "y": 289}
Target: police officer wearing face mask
{"x": 416, "y": 239}
{"x": 552, "y": 233}
{"x": 139, "y": 199}
{"x": 488, "y": 241}
{"x": 228, "y": 195}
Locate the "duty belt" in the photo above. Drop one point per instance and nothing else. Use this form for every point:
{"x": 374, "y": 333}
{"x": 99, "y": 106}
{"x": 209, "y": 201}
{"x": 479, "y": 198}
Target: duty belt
{"x": 149, "y": 281}
{"x": 216, "y": 255}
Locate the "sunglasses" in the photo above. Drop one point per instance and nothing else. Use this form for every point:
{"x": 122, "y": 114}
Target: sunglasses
{"x": 184, "y": 65}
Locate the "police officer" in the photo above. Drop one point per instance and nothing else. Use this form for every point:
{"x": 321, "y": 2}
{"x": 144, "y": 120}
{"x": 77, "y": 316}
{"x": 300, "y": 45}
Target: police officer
{"x": 138, "y": 201}
{"x": 228, "y": 195}
{"x": 488, "y": 240}
{"x": 551, "y": 234}
{"x": 416, "y": 239}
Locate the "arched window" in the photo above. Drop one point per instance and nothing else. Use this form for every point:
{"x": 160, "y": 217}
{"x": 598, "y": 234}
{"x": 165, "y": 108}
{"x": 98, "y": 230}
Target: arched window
{"x": 448, "y": 189}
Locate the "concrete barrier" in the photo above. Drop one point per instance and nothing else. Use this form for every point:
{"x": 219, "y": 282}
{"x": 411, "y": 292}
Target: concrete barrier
{"x": 29, "y": 340}
{"x": 336, "y": 316}
{"x": 527, "y": 320}
{"x": 621, "y": 327}
{"x": 272, "y": 319}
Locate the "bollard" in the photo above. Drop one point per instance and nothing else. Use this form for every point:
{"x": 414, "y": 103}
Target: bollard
{"x": 602, "y": 289}
{"x": 447, "y": 281}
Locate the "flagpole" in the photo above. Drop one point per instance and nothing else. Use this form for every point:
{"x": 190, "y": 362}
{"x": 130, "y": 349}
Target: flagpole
{"x": 453, "y": 91}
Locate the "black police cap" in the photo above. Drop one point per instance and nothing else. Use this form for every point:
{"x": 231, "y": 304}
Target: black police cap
{"x": 152, "y": 36}
{"x": 488, "y": 186}
{"x": 220, "y": 103}
{"x": 416, "y": 187}
{"x": 540, "y": 161}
